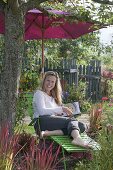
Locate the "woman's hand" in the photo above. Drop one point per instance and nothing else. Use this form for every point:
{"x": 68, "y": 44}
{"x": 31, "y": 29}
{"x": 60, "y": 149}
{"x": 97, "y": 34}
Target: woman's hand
{"x": 67, "y": 110}
{"x": 58, "y": 114}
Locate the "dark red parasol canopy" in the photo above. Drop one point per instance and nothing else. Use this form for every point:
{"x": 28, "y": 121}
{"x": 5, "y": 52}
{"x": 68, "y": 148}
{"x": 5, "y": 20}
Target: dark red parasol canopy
{"x": 39, "y": 25}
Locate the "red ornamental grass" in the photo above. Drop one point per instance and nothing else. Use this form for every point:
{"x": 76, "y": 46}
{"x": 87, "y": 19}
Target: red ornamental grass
{"x": 34, "y": 158}
{"x": 49, "y": 160}
{"x": 40, "y": 159}
{"x": 95, "y": 117}
{"x": 8, "y": 144}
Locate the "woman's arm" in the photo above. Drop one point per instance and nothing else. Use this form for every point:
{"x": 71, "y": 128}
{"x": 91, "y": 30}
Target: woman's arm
{"x": 41, "y": 108}
{"x": 67, "y": 110}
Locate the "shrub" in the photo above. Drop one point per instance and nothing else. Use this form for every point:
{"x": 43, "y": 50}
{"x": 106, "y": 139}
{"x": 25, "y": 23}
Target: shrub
{"x": 29, "y": 81}
{"x": 103, "y": 159}
{"x": 77, "y": 94}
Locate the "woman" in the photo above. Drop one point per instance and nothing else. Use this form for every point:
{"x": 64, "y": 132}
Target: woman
{"x": 47, "y": 104}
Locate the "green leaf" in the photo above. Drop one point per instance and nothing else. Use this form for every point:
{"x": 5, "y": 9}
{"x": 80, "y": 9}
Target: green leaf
{"x": 5, "y": 1}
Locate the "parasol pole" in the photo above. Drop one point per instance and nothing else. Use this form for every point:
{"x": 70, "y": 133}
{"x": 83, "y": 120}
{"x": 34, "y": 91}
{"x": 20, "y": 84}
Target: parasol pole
{"x": 43, "y": 54}
{"x": 43, "y": 60}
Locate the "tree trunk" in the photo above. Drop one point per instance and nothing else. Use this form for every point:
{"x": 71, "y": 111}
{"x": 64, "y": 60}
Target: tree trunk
{"x": 11, "y": 65}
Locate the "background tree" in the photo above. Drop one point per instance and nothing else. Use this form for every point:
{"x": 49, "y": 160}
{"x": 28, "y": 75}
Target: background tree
{"x": 83, "y": 49}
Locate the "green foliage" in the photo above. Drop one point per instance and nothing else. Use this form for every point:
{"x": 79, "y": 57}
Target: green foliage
{"x": 103, "y": 158}
{"x": 108, "y": 111}
{"x": 29, "y": 81}
{"x": 107, "y": 88}
{"x": 77, "y": 93}
{"x": 21, "y": 108}
{"x": 24, "y": 128}
{"x": 84, "y": 49}
{"x": 33, "y": 53}
{"x": 85, "y": 105}
{"x": 110, "y": 88}
{"x": 29, "y": 110}
{"x": 24, "y": 107}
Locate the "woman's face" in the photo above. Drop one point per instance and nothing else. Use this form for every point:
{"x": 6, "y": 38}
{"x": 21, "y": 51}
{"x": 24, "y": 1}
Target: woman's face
{"x": 49, "y": 83}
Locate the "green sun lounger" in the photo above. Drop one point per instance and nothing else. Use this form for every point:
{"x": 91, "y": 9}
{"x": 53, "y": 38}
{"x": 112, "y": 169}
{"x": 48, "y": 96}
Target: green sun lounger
{"x": 66, "y": 145}
{"x": 65, "y": 142}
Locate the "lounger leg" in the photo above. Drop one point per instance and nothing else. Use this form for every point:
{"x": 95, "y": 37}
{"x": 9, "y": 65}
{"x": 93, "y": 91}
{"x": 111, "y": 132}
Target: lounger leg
{"x": 64, "y": 158}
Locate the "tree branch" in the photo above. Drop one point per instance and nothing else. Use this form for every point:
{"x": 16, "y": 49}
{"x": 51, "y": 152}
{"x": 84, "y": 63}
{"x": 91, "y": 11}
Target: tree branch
{"x": 31, "y": 4}
{"x": 105, "y": 2}
{"x": 14, "y": 5}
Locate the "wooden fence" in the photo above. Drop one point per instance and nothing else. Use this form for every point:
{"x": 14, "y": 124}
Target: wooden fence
{"x": 71, "y": 73}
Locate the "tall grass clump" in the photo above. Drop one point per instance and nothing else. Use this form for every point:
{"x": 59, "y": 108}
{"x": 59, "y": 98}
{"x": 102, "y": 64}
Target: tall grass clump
{"x": 8, "y": 144}
{"x": 102, "y": 158}
{"x": 40, "y": 158}
{"x": 21, "y": 151}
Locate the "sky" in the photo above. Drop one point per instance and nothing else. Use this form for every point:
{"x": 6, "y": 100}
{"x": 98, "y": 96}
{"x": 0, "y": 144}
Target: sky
{"x": 106, "y": 35}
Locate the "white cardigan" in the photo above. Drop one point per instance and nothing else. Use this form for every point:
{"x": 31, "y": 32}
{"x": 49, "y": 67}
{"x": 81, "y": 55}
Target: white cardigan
{"x": 43, "y": 104}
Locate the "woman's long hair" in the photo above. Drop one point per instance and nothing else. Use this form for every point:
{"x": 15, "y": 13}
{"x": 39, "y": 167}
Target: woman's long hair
{"x": 56, "y": 92}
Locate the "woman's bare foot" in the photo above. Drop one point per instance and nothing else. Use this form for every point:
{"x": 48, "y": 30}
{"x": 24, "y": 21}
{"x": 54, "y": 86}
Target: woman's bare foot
{"x": 80, "y": 142}
{"x": 50, "y": 133}
{"x": 44, "y": 134}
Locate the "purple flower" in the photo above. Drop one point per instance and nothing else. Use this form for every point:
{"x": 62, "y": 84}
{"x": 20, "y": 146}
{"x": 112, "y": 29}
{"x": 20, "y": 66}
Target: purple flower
{"x": 65, "y": 95}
